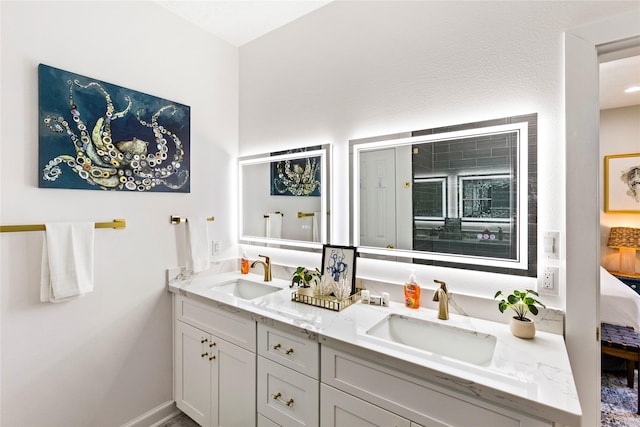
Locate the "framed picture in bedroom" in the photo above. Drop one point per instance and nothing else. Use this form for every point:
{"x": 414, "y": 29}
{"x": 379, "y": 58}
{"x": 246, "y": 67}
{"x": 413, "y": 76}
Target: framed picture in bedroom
{"x": 622, "y": 183}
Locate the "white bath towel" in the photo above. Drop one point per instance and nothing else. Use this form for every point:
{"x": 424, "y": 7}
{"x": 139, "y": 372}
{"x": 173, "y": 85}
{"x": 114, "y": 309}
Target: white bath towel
{"x": 315, "y": 226}
{"x": 274, "y": 225}
{"x": 67, "y": 261}
{"x": 197, "y": 244}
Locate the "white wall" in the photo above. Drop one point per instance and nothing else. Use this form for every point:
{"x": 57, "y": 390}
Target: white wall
{"x": 619, "y": 134}
{"x": 360, "y": 69}
{"x": 106, "y": 358}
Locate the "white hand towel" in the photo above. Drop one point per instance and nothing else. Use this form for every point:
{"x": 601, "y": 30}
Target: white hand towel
{"x": 197, "y": 244}
{"x": 315, "y": 226}
{"x": 67, "y": 261}
{"x": 274, "y": 225}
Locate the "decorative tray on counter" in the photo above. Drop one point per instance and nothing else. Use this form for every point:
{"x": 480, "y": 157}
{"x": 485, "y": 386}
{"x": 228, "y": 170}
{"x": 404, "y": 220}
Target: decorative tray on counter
{"x": 328, "y": 302}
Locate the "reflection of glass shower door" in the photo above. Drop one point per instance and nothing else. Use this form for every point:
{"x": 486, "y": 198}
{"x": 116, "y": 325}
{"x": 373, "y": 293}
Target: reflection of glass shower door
{"x": 377, "y": 198}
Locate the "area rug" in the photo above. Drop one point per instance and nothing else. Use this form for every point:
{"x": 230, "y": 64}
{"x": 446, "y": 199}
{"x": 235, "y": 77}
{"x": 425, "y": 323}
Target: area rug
{"x": 619, "y": 403}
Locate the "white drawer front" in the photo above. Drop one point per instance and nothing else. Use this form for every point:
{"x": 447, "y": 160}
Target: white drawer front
{"x": 412, "y": 398}
{"x": 287, "y": 397}
{"x": 266, "y": 422}
{"x": 293, "y": 351}
{"x": 339, "y": 409}
{"x": 229, "y": 326}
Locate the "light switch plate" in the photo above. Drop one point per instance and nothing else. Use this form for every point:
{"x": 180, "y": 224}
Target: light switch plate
{"x": 550, "y": 245}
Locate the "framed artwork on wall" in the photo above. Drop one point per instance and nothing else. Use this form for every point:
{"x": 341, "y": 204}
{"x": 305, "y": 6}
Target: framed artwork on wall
{"x": 339, "y": 262}
{"x": 622, "y": 183}
{"x": 94, "y": 135}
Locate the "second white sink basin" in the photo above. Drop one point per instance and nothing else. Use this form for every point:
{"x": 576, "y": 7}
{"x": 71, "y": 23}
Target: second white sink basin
{"x": 448, "y": 341}
{"x": 245, "y": 289}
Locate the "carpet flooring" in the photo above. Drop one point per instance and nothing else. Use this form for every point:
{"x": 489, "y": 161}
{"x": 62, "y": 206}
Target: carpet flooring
{"x": 619, "y": 404}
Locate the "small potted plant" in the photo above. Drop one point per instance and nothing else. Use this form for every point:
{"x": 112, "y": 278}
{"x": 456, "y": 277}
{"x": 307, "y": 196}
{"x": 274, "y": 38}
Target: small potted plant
{"x": 304, "y": 278}
{"x": 522, "y": 303}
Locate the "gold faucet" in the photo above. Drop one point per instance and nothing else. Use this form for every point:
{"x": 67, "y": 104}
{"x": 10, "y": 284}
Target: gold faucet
{"x": 442, "y": 296}
{"x": 267, "y": 267}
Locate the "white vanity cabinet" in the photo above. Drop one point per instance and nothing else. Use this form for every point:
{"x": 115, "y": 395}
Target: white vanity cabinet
{"x": 405, "y": 400}
{"x": 214, "y": 364}
{"x": 288, "y": 377}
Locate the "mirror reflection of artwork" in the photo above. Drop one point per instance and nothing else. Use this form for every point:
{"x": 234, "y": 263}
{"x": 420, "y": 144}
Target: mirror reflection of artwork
{"x": 98, "y": 136}
{"x": 296, "y": 177}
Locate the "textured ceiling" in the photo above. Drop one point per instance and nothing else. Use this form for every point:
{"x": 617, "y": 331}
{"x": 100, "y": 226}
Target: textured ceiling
{"x": 239, "y": 22}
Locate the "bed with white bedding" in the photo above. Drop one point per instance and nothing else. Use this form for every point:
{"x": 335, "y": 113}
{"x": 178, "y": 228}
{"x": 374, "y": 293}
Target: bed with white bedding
{"x": 619, "y": 304}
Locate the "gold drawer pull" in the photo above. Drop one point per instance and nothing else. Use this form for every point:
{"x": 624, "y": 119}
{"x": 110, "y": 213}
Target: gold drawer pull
{"x": 289, "y": 351}
{"x": 203, "y": 340}
{"x": 212, "y": 357}
{"x": 213, "y": 344}
{"x": 278, "y": 395}
{"x": 204, "y": 354}
{"x": 276, "y": 346}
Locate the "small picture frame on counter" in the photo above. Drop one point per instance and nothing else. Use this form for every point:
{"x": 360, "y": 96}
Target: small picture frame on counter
{"x": 339, "y": 262}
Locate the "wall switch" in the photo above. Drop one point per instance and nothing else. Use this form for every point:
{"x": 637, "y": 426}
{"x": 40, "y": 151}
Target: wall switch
{"x": 550, "y": 281}
{"x": 551, "y": 244}
{"x": 215, "y": 247}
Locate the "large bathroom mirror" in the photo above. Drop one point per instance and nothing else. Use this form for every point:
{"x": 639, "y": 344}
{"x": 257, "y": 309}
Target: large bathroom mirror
{"x": 461, "y": 196}
{"x": 284, "y": 200}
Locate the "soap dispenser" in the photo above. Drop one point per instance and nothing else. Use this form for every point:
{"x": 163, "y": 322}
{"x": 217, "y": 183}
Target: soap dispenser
{"x": 244, "y": 264}
{"x": 412, "y": 292}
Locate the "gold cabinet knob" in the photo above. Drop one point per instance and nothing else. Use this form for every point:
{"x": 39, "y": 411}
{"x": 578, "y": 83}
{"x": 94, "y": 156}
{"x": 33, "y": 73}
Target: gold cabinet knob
{"x": 276, "y": 346}
{"x": 277, "y": 395}
{"x": 203, "y": 340}
{"x": 213, "y": 344}
{"x": 212, "y": 357}
{"x": 204, "y": 354}
{"x": 289, "y": 402}
{"x": 289, "y": 351}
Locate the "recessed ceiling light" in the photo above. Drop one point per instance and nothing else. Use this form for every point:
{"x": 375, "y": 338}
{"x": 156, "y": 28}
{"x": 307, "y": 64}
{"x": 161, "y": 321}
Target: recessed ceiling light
{"x": 632, "y": 89}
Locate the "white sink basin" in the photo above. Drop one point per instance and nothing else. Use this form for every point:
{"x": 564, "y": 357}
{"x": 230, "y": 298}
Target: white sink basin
{"x": 245, "y": 289}
{"x": 448, "y": 341}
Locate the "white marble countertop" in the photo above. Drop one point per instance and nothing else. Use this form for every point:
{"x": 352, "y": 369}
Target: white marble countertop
{"x": 529, "y": 376}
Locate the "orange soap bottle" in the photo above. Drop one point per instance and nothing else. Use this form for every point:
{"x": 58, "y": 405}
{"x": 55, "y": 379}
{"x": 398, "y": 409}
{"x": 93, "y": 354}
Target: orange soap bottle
{"x": 412, "y": 293}
{"x": 244, "y": 264}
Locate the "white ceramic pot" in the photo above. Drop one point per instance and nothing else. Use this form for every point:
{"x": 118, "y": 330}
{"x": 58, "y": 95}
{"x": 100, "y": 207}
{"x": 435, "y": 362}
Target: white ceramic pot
{"x": 522, "y": 328}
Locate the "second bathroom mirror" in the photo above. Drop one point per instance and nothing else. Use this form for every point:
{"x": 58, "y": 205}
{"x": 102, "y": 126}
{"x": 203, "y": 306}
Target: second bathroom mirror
{"x": 284, "y": 198}
{"x": 461, "y": 196}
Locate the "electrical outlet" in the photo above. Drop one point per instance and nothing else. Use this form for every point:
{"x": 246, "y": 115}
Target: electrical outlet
{"x": 215, "y": 247}
{"x": 550, "y": 281}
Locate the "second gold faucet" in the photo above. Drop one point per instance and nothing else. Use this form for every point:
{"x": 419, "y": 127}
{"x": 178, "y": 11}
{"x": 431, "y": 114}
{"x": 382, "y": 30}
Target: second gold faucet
{"x": 267, "y": 267}
{"x": 441, "y": 295}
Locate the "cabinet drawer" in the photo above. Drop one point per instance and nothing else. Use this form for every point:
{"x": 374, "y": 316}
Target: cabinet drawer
{"x": 266, "y": 422}
{"x": 287, "y": 397}
{"x": 410, "y": 397}
{"x": 339, "y": 409}
{"x": 293, "y": 351}
{"x": 227, "y": 325}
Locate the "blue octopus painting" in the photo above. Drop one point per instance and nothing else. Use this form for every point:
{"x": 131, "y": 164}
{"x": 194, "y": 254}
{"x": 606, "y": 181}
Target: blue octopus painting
{"x": 95, "y": 135}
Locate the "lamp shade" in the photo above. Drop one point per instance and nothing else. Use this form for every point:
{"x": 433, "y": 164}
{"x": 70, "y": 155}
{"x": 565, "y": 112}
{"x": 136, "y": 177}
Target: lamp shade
{"x": 624, "y": 237}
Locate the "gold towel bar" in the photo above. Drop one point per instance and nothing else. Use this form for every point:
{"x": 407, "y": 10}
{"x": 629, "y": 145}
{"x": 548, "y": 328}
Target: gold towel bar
{"x": 116, "y": 223}
{"x": 267, "y": 216}
{"x": 301, "y": 214}
{"x": 177, "y": 219}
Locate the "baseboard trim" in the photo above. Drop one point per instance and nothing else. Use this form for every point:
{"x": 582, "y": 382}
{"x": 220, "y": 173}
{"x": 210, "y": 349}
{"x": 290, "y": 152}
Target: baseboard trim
{"x": 156, "y": 416}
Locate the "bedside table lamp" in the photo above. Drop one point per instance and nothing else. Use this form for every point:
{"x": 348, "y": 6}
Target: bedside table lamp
{"x": 626, "y": 239}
